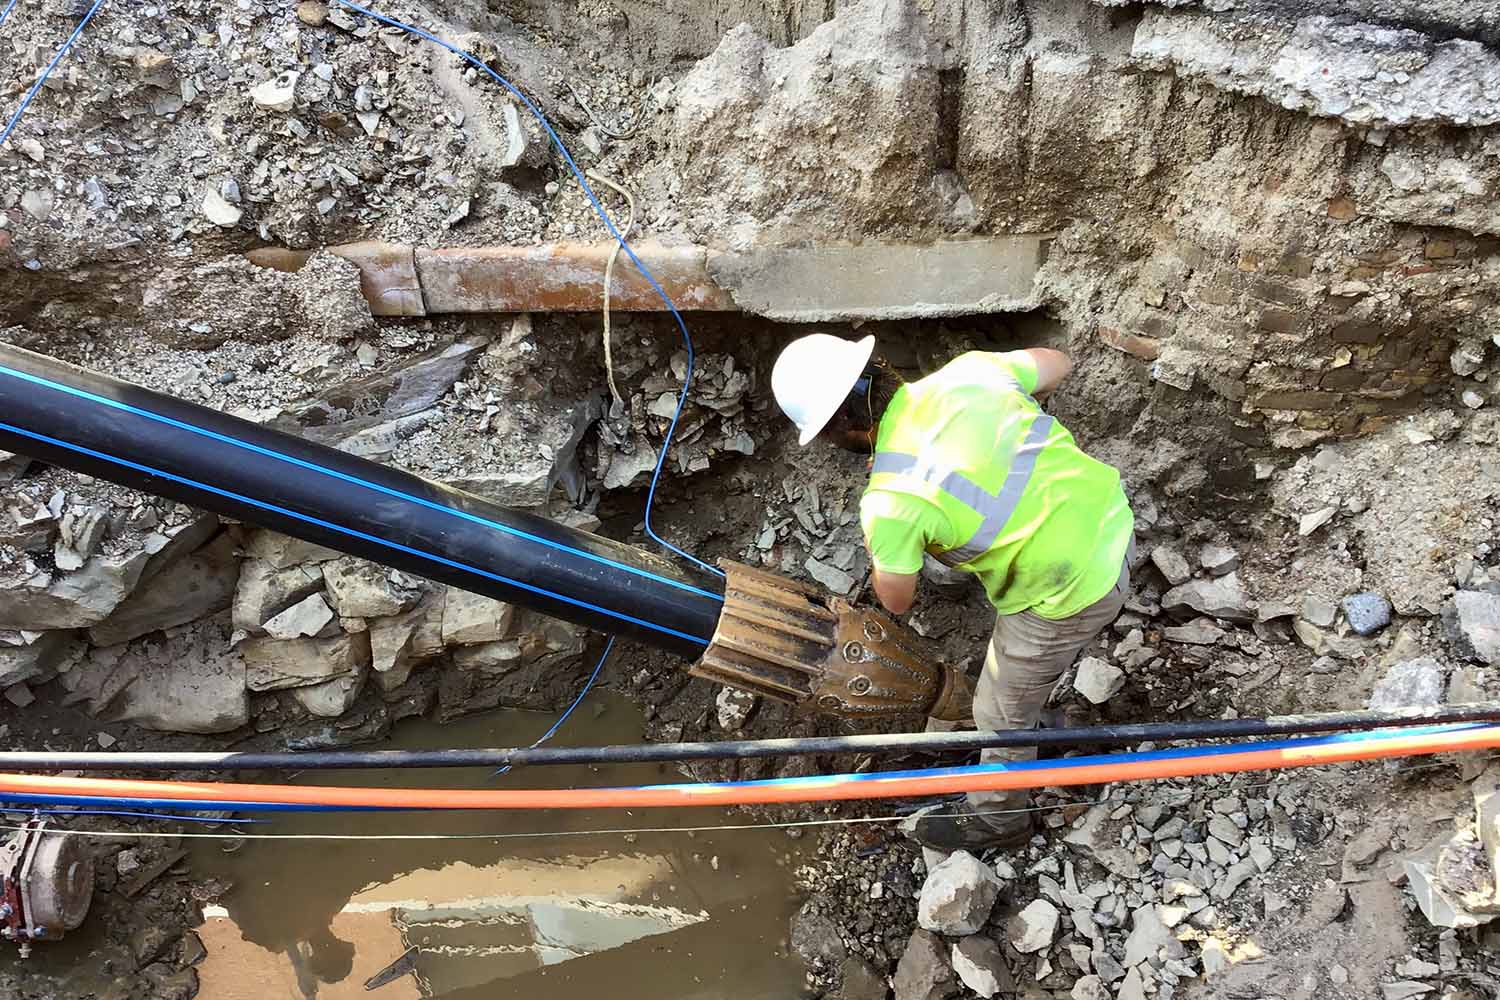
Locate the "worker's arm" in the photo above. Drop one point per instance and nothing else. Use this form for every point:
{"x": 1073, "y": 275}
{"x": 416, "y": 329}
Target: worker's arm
{"x": 897, "y": 591}
{"x": 1051, "y": 368}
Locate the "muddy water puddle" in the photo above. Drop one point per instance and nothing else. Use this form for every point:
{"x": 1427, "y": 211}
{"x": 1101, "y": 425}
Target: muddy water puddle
{"x": 572, "y": 913}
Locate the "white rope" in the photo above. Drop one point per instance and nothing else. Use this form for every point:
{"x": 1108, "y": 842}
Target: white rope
{"x": 609, "y": 273}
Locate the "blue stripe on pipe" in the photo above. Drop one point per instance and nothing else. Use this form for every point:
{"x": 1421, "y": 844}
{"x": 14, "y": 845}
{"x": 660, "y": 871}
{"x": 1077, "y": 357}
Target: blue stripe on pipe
{"x": 823, "y": 780}
{"x": 351, "y": 532}
{"x": 345, "y": 477}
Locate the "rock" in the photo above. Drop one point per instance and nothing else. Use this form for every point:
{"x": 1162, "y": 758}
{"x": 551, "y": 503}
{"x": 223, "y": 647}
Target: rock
{"x": 1472, "y": 620}
{"x": 1172, "y": 564}
{"x": 313, "y": 13}
{"x": 1404, "y": 989}
{"x": 74, "y": 600}
{"x": 1149, "y": 934}
{"x": 79, "y": 536}
{"x": 1238, "y": 874}
{"x": 945, "y": 580}
{"x": 1098, "y": 680}
{"x": 37, "y": 657}
{"x": 1090, "y": 988}
{"x": 1467, "y": 356}
{"x": 1219, "y": 559}
{"x": 981, "y": 967}
{"x": 958, "y": 895}
{"x": 1221, "y": 597}
{"x": 1108, "y": 967}
{"x": 1441, "y": 904}
{"x": 1410, "y": 684}
{"x": 37, "y": 203}
{"x": 1198, "y": 632}
{"x": 924, "y": 972}
{"x": 734, "y": 708}
{"x": 19, "y": 695}
{"x": 1415, "y": 968}
{"x": 361, "y": 589}
{"x": 393, "y": 649}
{"x": 858, "y": 980}
{"x": 264, "y": 591}
{"x": 829, "y": 576}
{"x": 1471, "y": 399}
{"x": 332, "y": 699}
{"x": 278, "y": 93}
{"x": 1486, "y": 792}
{"x": 1312, "y": 522}
{"x": 218, "y": 211}
{"x": 307, "y": 617}
{"x": 1318, "y": 611}
{"x": 815, "y": 936}
{"x": 1033, "y": 929}
{"x": 284, "y": 552}
{"x": 149, "y": 942}
{"x": 183, "y": 682}
{"x": 199, "y": 586}
{"x": 1094, "y": 837}
{"x": 469, "y": 619}
{"x": 175, "y": 544}
{"x": 1132, "y": 988}
{"x": 1367, "y": 613}
{"x": 164, "y": 984}
{"x": 1222, "y": 828}
{"x": 273, "y": 664}
{"x": 1214, "y": 958}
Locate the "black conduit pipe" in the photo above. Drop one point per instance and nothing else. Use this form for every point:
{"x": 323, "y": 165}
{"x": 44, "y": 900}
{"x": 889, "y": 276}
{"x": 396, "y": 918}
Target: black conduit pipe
{"x": 1103, "y": 735}
{"x": 90, "y": 423}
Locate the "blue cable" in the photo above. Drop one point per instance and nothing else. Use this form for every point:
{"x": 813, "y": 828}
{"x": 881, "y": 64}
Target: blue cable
{"x": 26, "y": 101}
{"x": 619, "y": 238}
{"x": 6, "y": 12}
{"x": 576, "y": 701}
{"x": 135, "y": 815}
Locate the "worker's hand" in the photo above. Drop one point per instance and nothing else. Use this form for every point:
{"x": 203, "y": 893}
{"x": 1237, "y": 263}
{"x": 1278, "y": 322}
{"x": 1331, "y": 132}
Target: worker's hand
{"x": 897, "y": 591}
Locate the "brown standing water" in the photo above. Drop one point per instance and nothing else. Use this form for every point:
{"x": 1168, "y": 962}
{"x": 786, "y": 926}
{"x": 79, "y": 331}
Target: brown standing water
{"x": 647, "y": 915}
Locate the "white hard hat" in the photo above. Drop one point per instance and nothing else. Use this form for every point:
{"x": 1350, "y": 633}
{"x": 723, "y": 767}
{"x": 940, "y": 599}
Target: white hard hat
{"x": 813, "y": 376}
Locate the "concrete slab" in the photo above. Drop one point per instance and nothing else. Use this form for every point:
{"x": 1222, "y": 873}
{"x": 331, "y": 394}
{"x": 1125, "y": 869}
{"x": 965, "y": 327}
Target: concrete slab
{"x": 884, "y": 280}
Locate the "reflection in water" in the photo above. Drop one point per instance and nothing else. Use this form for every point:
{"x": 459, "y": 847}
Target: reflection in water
{"x": 638, "y": 916}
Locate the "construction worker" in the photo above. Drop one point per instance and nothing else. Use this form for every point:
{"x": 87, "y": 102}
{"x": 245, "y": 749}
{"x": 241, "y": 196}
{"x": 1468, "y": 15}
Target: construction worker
{"x": 967, "y": 467}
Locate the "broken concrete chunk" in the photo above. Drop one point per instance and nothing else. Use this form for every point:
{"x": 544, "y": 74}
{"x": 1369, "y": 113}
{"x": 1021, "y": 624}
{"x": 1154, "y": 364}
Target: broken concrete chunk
{"x": 981, "y": 966}
{"x": 734, "y": 707}
{"x": 1410, "y": 684}
{"x": 307, "y": 617}
{"x": 1472, "y": 620}
{"x": 1367, "y": 613}
{"x": 958, "y": 895}
{"x": 278, "y": 93}
{"x": 1172, "y": 564}
{"x": 1033, "y": 929}
{"x": 361, "y": 589}
{"x": 1222, "y": 597}
{"x": 471, "y": 618}
{"x": 1098, "y": 680}
{"x": 272, "y": 664}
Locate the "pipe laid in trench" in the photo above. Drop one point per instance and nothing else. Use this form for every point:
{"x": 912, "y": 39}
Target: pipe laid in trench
{"x": 933, "y": 742}
{"x": 146, "y": 440}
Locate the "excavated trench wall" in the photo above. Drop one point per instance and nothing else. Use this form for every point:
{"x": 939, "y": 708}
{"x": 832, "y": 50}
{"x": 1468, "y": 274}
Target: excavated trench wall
{"x": 1269, "y": 227}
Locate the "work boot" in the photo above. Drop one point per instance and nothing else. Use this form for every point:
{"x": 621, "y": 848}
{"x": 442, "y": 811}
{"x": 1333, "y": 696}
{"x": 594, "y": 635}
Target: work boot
{"x": 958, "y": 827}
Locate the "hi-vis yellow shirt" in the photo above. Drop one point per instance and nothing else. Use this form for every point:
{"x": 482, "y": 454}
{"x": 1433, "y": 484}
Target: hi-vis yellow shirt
{"x": 969, "y": 468}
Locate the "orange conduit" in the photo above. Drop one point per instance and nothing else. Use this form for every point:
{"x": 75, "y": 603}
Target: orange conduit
{"x": 828, "y": 788}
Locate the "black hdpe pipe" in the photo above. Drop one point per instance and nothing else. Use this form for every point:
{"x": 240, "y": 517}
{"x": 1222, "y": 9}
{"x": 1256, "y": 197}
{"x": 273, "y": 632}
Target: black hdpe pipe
{"x": 1279, "y": 725}
{"x": 81, "y": 420}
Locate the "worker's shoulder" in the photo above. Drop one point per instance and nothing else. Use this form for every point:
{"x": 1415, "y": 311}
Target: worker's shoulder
{"x": 991, "y": 369}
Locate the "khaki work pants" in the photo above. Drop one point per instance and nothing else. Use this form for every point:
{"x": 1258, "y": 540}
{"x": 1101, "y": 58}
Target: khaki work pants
{"x": 1027, "y": 654}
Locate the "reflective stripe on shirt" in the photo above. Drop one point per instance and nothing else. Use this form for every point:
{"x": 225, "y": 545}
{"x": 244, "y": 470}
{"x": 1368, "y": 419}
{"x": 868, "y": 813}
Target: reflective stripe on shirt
{"x": 994, "y": 508}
